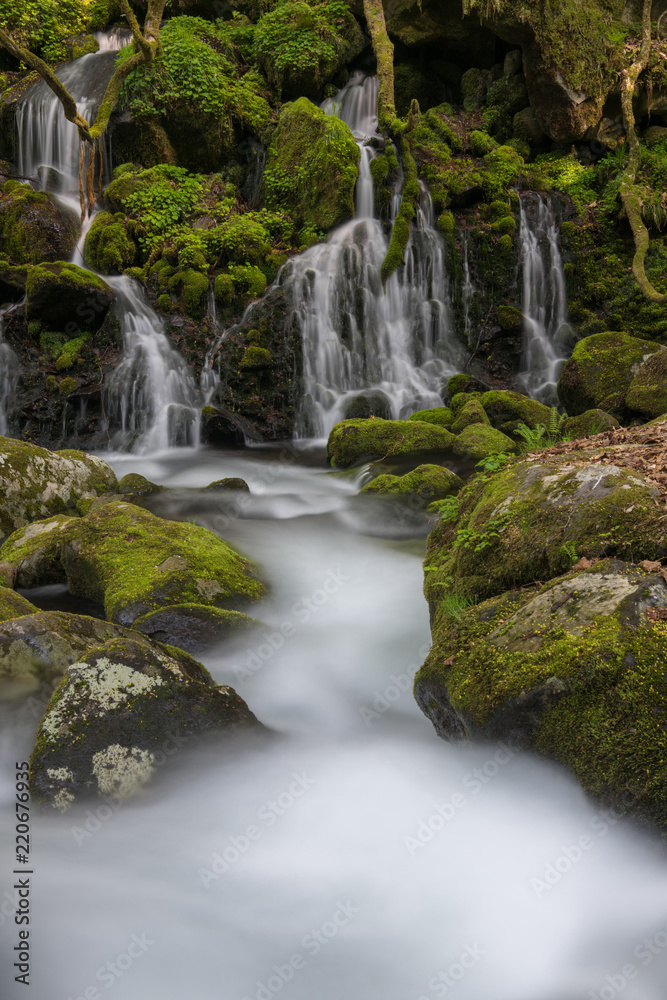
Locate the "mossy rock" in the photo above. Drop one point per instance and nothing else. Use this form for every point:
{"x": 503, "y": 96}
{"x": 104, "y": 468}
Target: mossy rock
{"x": 66, "y": 297}
{"x": 367, "y": 404}
{"x": 589, "y": 423}
{"x": 13, "y": 605}
{"x": 424, "y": 484}
{"x": 601, "y": 366}
{"x": 533, "y": 519}
{"x": 647, "y": 394}
{"x": 256, "y": 357}
{"x": 471, "y": 413}
{"x": 37, "y": 648}
{"x": 136, "y": 485}
{"x": 35, "y": 551}
{"x": 510, "y": 319}
{"x": 311, "y": 166}
{"x": 12, "y": 282}
{"x": 108, "y": 247}
{"x": 573, "y": 670}
{"x": 114, "y": 712}
{"x": 34, "y": 226}
{"x": 440, "y": 415}
{"x": 481, "y": 143}
{"x": 478, "y": 441}
{"x": 502, "y": 407}
{"x": 461, "y": 383}
{"x": 351, "y": 441}
{"x": 462, "y": 399}
{"x": 192, "y": 627}
{"x": 233, "y": 483}
{"x": 36, "y": 483}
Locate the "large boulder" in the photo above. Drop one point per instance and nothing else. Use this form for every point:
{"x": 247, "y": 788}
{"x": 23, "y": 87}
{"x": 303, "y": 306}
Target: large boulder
{"x": 114, "y": 711}
{"x": 13, "y": 605}
{"x": 533, "y": 519}
{"x": 36, "y": 483}
{"x": 600, "y": 371}
{"x": 34, "y": 226}
{"x": 311, "y": 166}
{"x": 574, "y": 669}
{"x": 352, "y": 441}
{"x": 423, "y": 485}
{"x": 440, "y": 415}
{"x": 504, "y": 408}
{"x": 133, "y": 562}
{"x": 647, "y": 394}
{"x": 65, "y": 297}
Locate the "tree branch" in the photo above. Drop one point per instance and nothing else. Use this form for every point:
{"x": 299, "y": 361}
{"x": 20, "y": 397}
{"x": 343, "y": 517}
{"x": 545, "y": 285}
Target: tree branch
{"x": 142, "y": 43}
{"x": 384, "y": 53}
{"x": 629, "y": 194}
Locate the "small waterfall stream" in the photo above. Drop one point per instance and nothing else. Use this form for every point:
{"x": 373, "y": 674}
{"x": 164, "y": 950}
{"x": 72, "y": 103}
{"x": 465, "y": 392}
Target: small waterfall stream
{"x": 9, "y": 373}
{"x": 151, "y": 401}
{"x": 547, "y": 334}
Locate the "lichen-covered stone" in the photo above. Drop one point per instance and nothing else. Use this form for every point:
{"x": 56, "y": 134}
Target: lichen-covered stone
{"x": 647, "y": 394}
{"x": 471, "y": 413}
{"x": 66, "y": 297}
{"x": 13, "y": 605}
{"x": 425, "y": 484}
{"x": 112, "y": 714}
{"x": 601, "y": 366}
{"x": 351, "y": 441}
{"x": 573, "y": 669}
{"x": 478, "y": 441}
{"x": 36, "y": 483}
{"x": 440, "y": 415}
{"x": 588, "y": 423}
{"x": 311, "y": 166}
{"x": 533, "y": 520}
{"x": 193, "y": 627}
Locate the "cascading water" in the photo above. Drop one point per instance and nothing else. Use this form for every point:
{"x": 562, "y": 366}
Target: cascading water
{"x": 9, "y": 371}
{"x": 357, "y": 336}
{"x": 151, "y": 401}
{"x": 547, "y": 334}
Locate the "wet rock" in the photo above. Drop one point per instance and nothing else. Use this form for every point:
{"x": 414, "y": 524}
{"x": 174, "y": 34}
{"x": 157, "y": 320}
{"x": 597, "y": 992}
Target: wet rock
{"x": 192, "y": 627}
{"x": 425, "y": 484}
{"x": 573, "y": 669}
{"x": 230, "y": 483}
{"x": 368, "y": 404}
{"x": 113, "y": 713}
{"x": 36, "y": 483}
{"x": 351, "y": 441}
{"x": 223, "y": 427}
{"x": 136, "y": 485}
{"x": 12, "y": 605}
{"x": 34, "y": 226}
{"x": 647, "y": 393}
{"x": 67, "y": 298}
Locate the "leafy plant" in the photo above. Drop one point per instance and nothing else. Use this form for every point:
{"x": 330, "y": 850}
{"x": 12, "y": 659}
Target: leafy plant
{"x": 536, "y": 438}
{"x": 494, "y": 462}
{"x": 453, "y": 605}
{"x": 448, "y": 509}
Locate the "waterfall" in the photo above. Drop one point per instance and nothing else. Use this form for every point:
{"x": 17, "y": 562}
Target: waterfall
{"x": 151, "y": 401}
{"x": 547, "y": 335}
{"x": 9, "y": 373}
{"x": 468, "y": 290}
{"x": 358, "y": 337}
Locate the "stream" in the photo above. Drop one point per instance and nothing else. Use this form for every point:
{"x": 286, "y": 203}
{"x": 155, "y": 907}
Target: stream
{"x": 352, "y": 854}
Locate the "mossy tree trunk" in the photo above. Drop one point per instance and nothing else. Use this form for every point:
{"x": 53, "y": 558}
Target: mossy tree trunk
{"x": 629, "y": 193}
{"x": 384, "y": 53}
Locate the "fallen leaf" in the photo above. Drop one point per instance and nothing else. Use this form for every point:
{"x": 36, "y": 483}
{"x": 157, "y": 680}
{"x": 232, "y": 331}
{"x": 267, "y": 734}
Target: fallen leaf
{"x": 585, "y": 563}
{"x": 651, "y": 566}
{"x": 449, "y": 661}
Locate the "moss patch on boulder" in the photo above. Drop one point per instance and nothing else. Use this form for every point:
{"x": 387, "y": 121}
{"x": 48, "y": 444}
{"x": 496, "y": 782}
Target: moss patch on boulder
{"x": 34, "y": 227}
{"x": 602, "y": 367}
{"x": 589, "y": 423}
{"x": 504, "y": 407}
{"x": 425, "y": 484}
{"x": 647, "y": 394}
{"x": 66, "y": 297}
{"x": 108, "y": 247}
{"x": 440, "y": 415}
{"x": 478, "y": 441}
{"x": 351, "y": 441}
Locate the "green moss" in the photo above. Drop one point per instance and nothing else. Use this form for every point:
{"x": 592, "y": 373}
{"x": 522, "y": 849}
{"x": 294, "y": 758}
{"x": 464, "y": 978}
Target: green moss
{"x": 470, "y": 413}
{"x": 311, "y": 166}
{"x": 351, "y": 441}
{"x": 589, "y": 423}
{"x": 600, "y": 366}
{"x": 51, "y": 385}
{"x": 477, "y": 441}
{"x": 12, "y": 605}
{"x": 400, "y": 233}
{"x": 502, "y": 407}
{"x": 426, "y": 483}
{"x": 67, "y": 386}
{"x": 509, "y": 317}
{"x": 647, "y": 394}
{"x": 481, "y": 143}
{"x": 108, "y": 248}
{"x": 34, "y": 227}
{"x": 192, "y": 286}
{"x": 256, "y": 357}
{"x": 440, "y": 415}
{"x": 67, "y": 297}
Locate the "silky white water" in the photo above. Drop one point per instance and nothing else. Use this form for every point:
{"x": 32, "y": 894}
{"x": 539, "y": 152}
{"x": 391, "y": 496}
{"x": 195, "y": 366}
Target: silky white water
{"x": 547, "y": 335}
{"x": 294, "y": 868}
{"x": 9, "y": 374}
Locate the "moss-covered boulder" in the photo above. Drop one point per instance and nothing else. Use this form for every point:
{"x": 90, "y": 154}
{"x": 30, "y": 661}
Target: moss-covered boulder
{"x": 34, "y": 551}
{"x": 37, "y": 648}
{"x": 478, "y": 441}
{"x": 351, "y": 441}
{"x": 36, "y": 483}
{"x": 505, "y": 407}
{"x": 463, "y": 383}
{"x": 65, "y": 297}
{"x": 533, "y": 520}
{"x": 135, "y": 485}
{"x": 602, "y": 368}
{"x": 113, "y": 714}
{"x": 34, "y": 226}
{"x": 589, "y": 423}
{"x": 12, "y": 282}
{"x": 440, "y": 415}
{"x": 574, "y": 669}
{"x": 108, "y": 247}
{"x": 471, "y": 412}
{"x": 647, "y": 394}
{"x": 193, "y": 627}
{"x": 13, "y": 605}
{"x": 367, "y": 404}
{"x": 233, "y": 483}
{"x": 311, "y": 166}
{"x": 424, "y": 484}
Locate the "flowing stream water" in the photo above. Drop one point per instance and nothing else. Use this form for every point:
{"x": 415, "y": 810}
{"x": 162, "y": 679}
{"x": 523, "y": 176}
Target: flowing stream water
{"x": 355, "y": 855}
